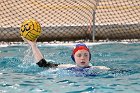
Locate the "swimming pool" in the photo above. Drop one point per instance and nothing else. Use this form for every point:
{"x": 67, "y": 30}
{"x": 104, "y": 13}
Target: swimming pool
{"x": 19, "y": 73}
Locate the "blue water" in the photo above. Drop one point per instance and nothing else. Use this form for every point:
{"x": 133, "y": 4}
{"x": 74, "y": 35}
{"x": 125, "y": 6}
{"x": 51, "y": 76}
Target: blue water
{"x": 20, "y": 74}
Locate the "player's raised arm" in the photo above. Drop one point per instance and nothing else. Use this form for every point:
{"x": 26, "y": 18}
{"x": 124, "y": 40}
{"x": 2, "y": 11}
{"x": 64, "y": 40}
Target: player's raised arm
{"x": 30, "y": 30}
{"x": 36, "y": 52}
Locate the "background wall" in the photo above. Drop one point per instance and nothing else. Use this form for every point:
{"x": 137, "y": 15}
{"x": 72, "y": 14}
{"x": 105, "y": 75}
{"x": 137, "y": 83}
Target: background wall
{"x": 72, "y": 19}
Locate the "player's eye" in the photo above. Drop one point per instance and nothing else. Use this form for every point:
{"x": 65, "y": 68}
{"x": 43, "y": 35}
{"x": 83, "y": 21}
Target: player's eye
{"x": 85, "y": 54}
{"x": 79, "y": 55}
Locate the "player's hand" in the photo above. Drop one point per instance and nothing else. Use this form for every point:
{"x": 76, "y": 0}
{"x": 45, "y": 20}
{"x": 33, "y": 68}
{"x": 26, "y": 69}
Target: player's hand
{"x": 29, "y": 42}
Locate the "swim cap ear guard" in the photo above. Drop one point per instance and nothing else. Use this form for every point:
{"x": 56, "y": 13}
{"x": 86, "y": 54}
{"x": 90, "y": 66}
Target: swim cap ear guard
{"x": 80, "y": 47}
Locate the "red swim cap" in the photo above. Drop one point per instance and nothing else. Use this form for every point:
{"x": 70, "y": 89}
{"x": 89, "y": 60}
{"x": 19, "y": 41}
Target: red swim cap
{"x": 79, "y": 48}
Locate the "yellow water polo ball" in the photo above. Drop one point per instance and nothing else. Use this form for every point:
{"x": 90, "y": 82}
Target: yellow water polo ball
{"x": 30, "y": 29}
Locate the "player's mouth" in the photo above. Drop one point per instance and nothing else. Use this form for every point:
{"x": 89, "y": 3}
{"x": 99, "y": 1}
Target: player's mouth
{"x": 83, "y": 63}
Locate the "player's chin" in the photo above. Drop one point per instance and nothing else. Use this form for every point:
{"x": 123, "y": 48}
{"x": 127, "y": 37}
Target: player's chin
{"x": 83, "y": 65}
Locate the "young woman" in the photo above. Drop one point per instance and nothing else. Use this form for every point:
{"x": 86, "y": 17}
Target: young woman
{"x": 80, "y": 55}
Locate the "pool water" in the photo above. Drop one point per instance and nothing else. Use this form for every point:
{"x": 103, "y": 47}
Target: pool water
{"x": 20, "y": 74}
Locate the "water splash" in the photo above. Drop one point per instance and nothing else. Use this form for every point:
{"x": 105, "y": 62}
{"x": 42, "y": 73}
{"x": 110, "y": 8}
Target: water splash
{"x": 28, "y": 58}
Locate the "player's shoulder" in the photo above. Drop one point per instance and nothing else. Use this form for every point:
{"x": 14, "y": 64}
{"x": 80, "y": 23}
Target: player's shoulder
{"x": 100, "y": 67}
{"x": 65, "y": 65}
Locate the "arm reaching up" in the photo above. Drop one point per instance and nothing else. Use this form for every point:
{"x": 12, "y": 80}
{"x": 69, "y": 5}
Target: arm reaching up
{"x": 36, "y": 52}
{"x": 40, "y": 61}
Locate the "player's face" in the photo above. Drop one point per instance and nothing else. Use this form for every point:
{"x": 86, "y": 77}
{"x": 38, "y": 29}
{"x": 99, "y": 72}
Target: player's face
{"x": 82, "y": 58}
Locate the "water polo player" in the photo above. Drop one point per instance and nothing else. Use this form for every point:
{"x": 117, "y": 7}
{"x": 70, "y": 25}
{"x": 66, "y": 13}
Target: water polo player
{"x": 80, "y": 55}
